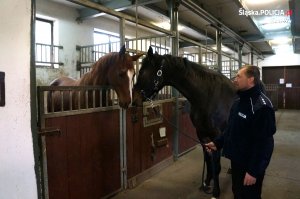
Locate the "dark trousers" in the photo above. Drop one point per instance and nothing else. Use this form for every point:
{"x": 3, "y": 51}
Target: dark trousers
{"x": 245, "y": 192}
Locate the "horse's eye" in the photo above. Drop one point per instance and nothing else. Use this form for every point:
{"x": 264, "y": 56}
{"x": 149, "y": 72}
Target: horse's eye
{"x": 122, "y": 72}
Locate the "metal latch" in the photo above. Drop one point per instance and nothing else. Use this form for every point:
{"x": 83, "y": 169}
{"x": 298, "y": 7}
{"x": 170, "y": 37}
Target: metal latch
{"x": 49, "y": 131}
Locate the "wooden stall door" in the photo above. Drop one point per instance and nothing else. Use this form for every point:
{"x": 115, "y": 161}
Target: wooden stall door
{"x": 134, "y": 127}
{"x": 271, "y": 76}
{"x": 149, "y": 152}
{"x": 146, "y": 149}
{"x": 287, "y": 80}
{"x": 292, "y": 87}
{"x": 84, "y": 160}
{"x": 157, "y": 148}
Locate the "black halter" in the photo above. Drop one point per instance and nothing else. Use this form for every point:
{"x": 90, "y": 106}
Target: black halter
{"x": 158, "y": 79}
{"x": 156, "y": 83}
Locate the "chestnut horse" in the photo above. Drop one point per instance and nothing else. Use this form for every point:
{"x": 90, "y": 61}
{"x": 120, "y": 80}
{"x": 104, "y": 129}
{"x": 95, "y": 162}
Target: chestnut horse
{"x": 210, "y": 94}
{"x": 115, "y": 69}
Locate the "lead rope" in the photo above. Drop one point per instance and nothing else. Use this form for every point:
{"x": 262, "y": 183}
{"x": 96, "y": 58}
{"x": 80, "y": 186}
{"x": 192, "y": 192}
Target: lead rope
{"x": 150, "y": 101}
{"x": 169, "y": 122}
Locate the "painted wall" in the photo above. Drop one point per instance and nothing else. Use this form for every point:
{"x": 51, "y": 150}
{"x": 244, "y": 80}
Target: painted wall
{"x": 17, "y": 176}
{"x": 70, "y": 33}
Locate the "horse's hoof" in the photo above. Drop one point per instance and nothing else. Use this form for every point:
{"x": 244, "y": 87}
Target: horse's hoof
{"x": 204, "y": 187}
{"x": 216, "y": 192}
{"x": 207, "y": 189}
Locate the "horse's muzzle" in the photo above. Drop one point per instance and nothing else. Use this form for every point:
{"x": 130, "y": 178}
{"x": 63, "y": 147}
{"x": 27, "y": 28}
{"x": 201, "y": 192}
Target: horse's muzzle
{"x": 124, "y": 105}
{"x": 137, "y": 98}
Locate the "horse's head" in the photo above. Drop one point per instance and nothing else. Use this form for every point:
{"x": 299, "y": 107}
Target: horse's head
{"x": 120, "y": 75}
{"x": 150, "y": 77}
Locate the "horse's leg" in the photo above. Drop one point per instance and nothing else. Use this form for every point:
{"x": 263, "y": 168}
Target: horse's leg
{"x": 216, "y": 169}
{"x": 209, "y": 173}
{"x": 212, "y": 160}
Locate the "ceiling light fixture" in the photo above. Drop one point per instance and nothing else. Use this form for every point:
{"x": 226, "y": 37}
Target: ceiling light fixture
{"x": 283, "y": 49}
{"x": 280, "y": 41}
{"x": 166, "y": 25}
{"x": 224, "y": 48}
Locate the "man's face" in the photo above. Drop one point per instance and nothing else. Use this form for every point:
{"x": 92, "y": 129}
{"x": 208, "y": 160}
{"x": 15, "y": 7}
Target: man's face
{"x": 242, "y": 82}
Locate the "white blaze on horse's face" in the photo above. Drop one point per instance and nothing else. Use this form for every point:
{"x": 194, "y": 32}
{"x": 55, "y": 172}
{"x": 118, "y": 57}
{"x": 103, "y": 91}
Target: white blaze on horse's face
{"x": 130, "y": 74}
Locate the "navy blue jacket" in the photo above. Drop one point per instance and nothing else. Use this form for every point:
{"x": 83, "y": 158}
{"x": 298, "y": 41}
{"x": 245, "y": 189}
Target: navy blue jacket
{"x": 248, "y": 139}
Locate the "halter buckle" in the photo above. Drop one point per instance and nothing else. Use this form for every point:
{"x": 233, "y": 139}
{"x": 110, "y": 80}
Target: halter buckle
{"x": 159, "y": 73}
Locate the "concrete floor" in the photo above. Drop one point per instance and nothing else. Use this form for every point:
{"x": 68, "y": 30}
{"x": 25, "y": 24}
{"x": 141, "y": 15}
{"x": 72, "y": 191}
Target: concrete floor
{"x": 182, "y": 179}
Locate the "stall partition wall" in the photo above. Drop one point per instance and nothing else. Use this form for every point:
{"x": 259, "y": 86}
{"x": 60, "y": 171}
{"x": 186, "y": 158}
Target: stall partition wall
{"x": 94, "y": 152}
{"x": 286, "y": 83}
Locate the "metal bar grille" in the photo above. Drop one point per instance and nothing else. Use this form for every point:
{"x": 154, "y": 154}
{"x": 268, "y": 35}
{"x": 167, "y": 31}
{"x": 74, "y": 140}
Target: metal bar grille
{"x": 69, "y": 100}
{"x": 91, "y": 53}
{"x": 47, "y": 55}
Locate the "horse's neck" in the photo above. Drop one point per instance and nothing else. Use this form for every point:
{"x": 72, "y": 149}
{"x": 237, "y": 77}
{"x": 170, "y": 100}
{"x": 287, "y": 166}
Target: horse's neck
{"x": 186, "y": 91}
{"x": 198, "y": 87}
{"x": 187, "y": 85}
{"x": 94, "y": 78}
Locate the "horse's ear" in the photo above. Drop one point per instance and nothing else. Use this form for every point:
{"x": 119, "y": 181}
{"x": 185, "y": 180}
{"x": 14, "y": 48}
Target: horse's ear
{"x": 150, "y": 51}
{"x": 122, "y": 50}
{"x": 137, "y": 56}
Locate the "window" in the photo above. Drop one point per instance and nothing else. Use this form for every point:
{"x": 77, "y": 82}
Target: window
{"x": 44, "y": 31}
{"x": 105, "y": 42}
{"x": 104, "y": 37}
{"x": 46, "y": 53}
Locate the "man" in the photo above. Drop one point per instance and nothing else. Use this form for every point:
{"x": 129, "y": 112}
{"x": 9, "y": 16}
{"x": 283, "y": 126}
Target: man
{"x": 248, "y": 139}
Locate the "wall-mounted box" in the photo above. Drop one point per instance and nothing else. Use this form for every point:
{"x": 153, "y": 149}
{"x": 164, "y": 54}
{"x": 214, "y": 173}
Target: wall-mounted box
{"x": 2, "y": 88}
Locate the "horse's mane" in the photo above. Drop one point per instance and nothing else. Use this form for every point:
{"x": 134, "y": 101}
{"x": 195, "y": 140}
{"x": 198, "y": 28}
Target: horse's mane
{"x": 104, "y": 62}
{"x": 195, "y": 70}
{"x": 100, "y": 68}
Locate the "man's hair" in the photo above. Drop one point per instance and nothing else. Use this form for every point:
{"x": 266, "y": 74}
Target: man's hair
{"x": 253, "y": 71}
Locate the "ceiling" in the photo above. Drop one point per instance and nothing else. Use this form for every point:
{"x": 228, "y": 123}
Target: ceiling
{"x": 259, "y": 26}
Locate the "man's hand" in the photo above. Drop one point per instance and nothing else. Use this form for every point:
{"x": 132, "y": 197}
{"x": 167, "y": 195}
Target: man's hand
{"x": 249, "y": 180}
{"x": 210, "y": 147}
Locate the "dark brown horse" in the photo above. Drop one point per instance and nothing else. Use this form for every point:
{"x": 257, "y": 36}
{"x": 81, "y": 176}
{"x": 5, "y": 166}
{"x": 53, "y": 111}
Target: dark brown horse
{"x": 115, "y": 69}
{"x": 210, "y": 94}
